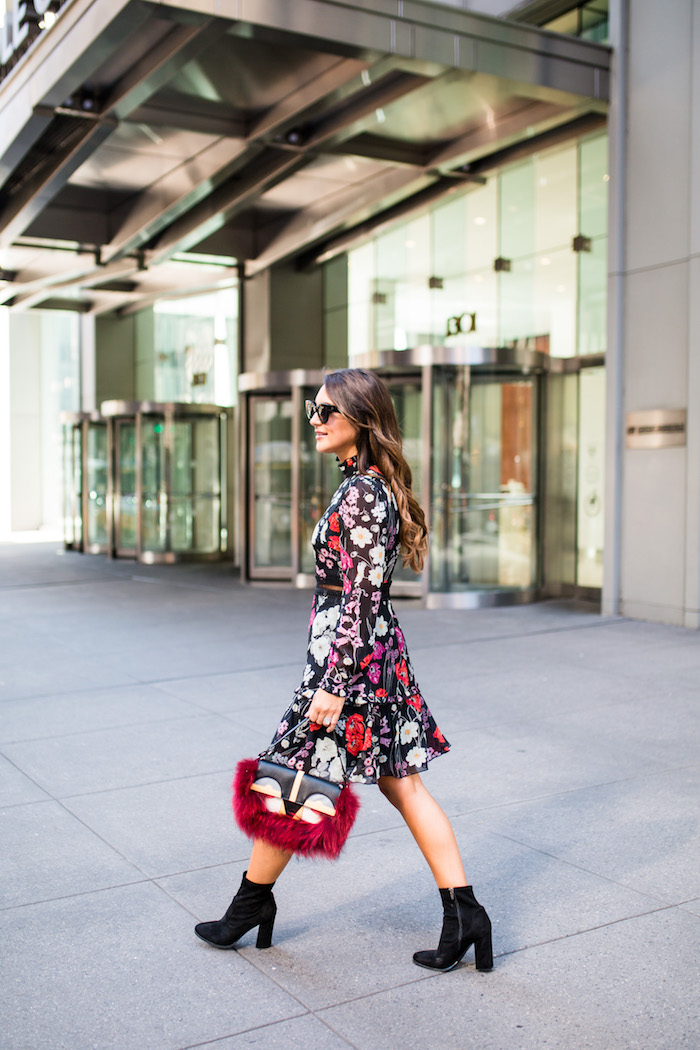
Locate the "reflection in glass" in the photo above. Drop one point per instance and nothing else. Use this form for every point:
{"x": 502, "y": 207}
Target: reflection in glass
{"x": 127, "y": 538}
{"x": 517, "y": 211}
{"x": 592, "y": 298}
{"x": 483, "y": 482}
{"x": 420, "y": 281}
{"x": 271, "y": 450}
{"x": 195, "y": 486}
{"x": 593, "y": 186}
{"x": 591, "y": 466}
{"x": 401, "y": 296}
{"x": 77, "y": 455}
{"x": 516, "y": 302}
{"x": 96, "y": 483}
{"x": 555, "y": 302}
{"x": 196, "y": 348}
{"x": 154, "y": 500}
{"x": 319, "y": 477}
{"x": 406, "y": 395}
{"x": 555, "y": 196}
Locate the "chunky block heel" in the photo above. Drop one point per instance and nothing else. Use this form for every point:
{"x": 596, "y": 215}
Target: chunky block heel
{"x": 253, "y": 905}
{"x": 465, "y": 922}
{"x": 265, "y": 933}
{"x": 483, "y": 953}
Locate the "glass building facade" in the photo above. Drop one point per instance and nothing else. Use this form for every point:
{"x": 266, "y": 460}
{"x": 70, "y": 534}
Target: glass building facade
{"x": 196, "y": 348}
{"x": 519, "y": 261}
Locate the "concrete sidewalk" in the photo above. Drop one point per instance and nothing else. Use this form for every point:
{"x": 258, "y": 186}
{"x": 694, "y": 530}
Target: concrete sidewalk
{"x": 129, "y": 692}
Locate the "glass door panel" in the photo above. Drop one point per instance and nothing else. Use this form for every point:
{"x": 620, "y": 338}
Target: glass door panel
{"x": 270, "y": 472}
{"x": 73, "y": 484}
{"x": 591, "y": 460}
{"x": 126, "y": 536}
{"x": 96, "y": 484}
{"x": 319, "y": 477}
{"x": 182, "y": 508}
{"x": 68, "y": 517}
{"x": 154, "y": 497}
{"x": 484, "y": 482}
{"x": 196, "y": 486}
{"x": 406, "y": 395}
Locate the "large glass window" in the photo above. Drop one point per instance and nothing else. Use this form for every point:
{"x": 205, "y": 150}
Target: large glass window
{"x": 519, "y": 261}
{"x": 360, "y": 286}
{"x": 464, "y": 290}
{"x": 401, "y": 295}
{"x": 483, "y": 505}
{"x": 60, "y": 392}
{"x": 590, "y": 21}
{"x": 196, "y": 348}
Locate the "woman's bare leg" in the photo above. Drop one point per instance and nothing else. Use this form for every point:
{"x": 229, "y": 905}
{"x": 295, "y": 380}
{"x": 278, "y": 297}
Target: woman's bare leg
{"x": 429, "y": 826}
{"x": 266, "y": 862}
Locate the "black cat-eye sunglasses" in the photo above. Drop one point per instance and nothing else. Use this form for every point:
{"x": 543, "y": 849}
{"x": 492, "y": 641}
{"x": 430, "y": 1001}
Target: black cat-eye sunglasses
{"x": 323, "y": 411}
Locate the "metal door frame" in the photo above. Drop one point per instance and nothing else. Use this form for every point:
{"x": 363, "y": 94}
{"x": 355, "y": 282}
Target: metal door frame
{"x": 132, "y": 412}
{"x": 418, "y": 363}
{"x": 268, "y": 572}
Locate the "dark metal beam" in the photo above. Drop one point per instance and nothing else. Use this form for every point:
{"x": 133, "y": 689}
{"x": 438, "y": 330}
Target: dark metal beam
{"x": 88, "y": 129}
{"x": 183, "y": 190}
{"x": 214, "y": 211}
{"x": 28, "y": 196}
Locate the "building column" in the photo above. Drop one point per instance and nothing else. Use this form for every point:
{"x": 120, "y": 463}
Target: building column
{"x": 654, "y": 318}
{"x": 283, "y": 320}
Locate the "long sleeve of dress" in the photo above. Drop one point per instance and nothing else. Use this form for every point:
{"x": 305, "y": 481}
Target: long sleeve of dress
{"x": 357, "y": 530}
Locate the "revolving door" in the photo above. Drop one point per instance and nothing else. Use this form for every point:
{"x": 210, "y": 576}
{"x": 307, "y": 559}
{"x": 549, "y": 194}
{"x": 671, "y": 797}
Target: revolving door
{"x": 85, "y": 484}
{"x": 167, "y": 481}
{"x": 505, "y": 447}
{"x": 288, "y": 484}
{"x": 484, "y": 485}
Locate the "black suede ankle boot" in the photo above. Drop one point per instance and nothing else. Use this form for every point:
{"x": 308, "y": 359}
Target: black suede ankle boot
{"x": 253, "y": 905}
{"x": 465, "y": 922}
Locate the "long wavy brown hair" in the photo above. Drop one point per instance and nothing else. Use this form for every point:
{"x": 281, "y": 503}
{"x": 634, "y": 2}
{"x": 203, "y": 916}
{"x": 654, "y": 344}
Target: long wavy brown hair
{"x": 365, "y": 401}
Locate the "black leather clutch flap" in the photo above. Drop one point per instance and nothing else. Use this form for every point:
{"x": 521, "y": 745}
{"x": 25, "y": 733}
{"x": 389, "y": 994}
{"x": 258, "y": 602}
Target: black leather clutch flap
{"x": 293, "y": 793}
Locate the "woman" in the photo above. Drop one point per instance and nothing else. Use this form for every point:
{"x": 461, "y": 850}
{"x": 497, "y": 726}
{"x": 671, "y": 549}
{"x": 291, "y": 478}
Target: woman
{"x": 358, "y": 682}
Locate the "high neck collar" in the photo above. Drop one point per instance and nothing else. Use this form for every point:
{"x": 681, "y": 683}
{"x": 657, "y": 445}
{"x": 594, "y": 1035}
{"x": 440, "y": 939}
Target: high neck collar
{"x": 348, "y": 467}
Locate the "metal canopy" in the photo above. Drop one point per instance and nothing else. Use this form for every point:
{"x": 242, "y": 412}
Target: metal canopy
{"x": 148, "y": 148}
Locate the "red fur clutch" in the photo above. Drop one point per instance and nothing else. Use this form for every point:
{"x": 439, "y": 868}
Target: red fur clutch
{"x": 265, "y": 806}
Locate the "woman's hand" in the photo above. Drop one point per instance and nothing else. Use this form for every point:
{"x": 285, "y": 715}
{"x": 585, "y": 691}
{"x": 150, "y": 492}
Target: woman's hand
{"x": 325, "y": 709}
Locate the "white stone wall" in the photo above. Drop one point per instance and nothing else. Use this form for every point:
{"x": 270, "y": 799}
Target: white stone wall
{"x": 654, "y": 351}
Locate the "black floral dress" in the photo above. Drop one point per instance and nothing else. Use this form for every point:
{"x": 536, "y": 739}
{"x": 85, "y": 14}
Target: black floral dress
{"x": 356, "y": 649}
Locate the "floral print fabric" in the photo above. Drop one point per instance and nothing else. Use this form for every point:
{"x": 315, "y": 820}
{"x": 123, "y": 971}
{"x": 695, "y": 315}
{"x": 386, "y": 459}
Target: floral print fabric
{"x": 357, "y": 651}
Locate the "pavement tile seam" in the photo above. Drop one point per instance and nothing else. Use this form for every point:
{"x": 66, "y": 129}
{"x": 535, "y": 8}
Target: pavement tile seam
{"x": 102, "y": 839}
{"x": 317, "y": 1011}
{"x": 572, "y": 791}
{"x": 74, "y": 896}
{"x": 584, "y": 932}
{"x": 143, "y": 784}
{"x": 35, "y": 802}
{"x": 113, "y": 725}
{"x": 664, "y": 905}
{"x": 534, "y": 720}
{"x": 271, "y": 1024}
{"x": 97, "y": 730}
{"x": 162, "y": 682}
{"x": 43, "y": 695}
{"x": 415, "y": 644}
{"x": 109, "y": 790}
{"x": 58, "y": 583}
